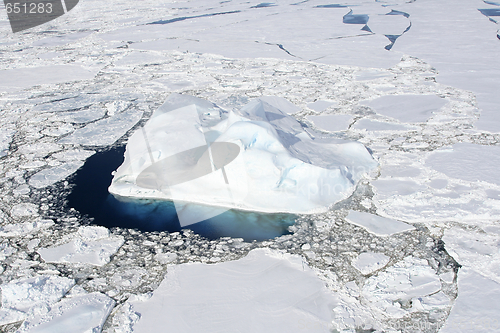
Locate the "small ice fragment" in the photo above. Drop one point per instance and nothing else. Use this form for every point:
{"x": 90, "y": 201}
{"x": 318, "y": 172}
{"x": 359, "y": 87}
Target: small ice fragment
{"x": 333, "y": 122}
{"x": 368, "y": 262}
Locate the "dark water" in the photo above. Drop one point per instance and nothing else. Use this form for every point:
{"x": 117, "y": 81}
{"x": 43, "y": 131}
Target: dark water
{"x": 90, "y": 197}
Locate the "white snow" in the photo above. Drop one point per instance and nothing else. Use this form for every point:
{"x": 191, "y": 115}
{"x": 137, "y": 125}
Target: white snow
{"x": 338, "y": 122}
{"x": 104, "y": 132}
{"x": 83, "y": 313}
{"x": 27, "y": 77}
{"x": 90, "y": 245}
{"x": 390, "y": 292}
{"x": 24, "y": 210}
{"x": 433, "y": 102}
{"x": 477, "y": 307}
{"x": 279, "y": 168}
{"x": 378, "y": 225}
{"x": 369, "y": 262}
{"x": 50, "y": 176}
{"x": 31, "y": 295}
{"x": 265, "y": 291}
{"x": 407, "y": 108}
{"x": 19, "y": 229}
{"x": 468, "y": 161}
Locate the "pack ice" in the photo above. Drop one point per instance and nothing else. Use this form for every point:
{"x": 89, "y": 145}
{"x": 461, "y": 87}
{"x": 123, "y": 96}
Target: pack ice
{"x": 257, "y": 158}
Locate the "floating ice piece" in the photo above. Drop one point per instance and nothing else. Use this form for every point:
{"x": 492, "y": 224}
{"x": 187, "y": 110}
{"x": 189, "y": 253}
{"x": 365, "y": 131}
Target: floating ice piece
{"x": 91, "y": 245}
{"x": 24, "y": 209}
{"x": 81, "y": 116}
{"x": 468, "y": 161}
{"x": 27, "y": 77}
{"x": 5, "y": 139}
{"x": 389, "y": 187}
{"x": 475, "y": 249}
{"x": 19, "y": 296}
{"x": 398, "y": 285}
{"x": 50, "y": 176}
{"x": 477, "y": 307}
{"x": 407, "y": 108}
{"x": 106, "y": 131}
{"x": 320, "y": 105}
{"x": 18, "y": 229}
{"x": 380, "y": 226}
{"x": 373, "y": 125}
{"x": 85, "y": 313}
{"x": 337, "y": 122}
{"x": 276, "y": 288}
{"x": 369, "y": 262}
{"x": 258, "y": 159}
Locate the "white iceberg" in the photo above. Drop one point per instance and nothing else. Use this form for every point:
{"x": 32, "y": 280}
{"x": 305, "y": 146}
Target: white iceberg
{"x": 256, "y": 159}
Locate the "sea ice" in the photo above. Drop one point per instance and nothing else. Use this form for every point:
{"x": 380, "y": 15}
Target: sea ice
{"x": 52, "y": 175}
{"x": 477, "y": 307}
{"x": 369, "y": 262}
{"x": 407, "y": 108}
{"x": 18, "y": 229}
{"x": 377, "y": 225}
{"x": 106, "y": 131}
{"x": 262, "y": 159}
{"x": 468, "y": 161}
{"x": 333, "y": 122}
{"x": 266, "y": 291}
{"x": 391, "y": 291}
{"x": 90, "y": 245}
{"x": 26, "y": 77}
{"x": 81, "y": 313}
{"x": 21, "y": 296}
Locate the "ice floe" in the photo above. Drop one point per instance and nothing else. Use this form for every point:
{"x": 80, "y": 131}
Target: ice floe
{"x": 81, "y": 313}
{"x": 244, "y": 295}
{"x": 90, "y": 245}
{"x": 368, "y": 262}
{"x": 30, "y": 296}
{"x": 394, "y": 292}
{"x": 377, "y": 225}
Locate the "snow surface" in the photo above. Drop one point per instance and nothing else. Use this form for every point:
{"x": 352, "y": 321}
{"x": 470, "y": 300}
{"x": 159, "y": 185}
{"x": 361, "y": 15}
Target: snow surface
{"x": 84, "y": 313}
{"x": 246, "y": 295}
{"x": 378, "y": 225}
{"x": 63, "y": 83}
{"x": 90, "y": 245}
{"x": 368, "y": 262}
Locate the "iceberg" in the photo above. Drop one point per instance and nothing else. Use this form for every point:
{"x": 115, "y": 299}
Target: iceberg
{"x": 258, "y": 158}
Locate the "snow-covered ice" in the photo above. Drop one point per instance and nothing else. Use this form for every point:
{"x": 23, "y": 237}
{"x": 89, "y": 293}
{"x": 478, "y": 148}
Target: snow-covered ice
{"x": 377, "y": 225}
{"x": 32, "y": 295}
{"x": 90, "y": 245}
{"x": 82, "y": 313}
{"x": 416, "y": 82}
{"x": 368, "y": 262}
{"x": 246, "y": 295}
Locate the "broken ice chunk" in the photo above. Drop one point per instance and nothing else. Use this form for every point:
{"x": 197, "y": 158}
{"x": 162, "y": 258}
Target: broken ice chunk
{"x": 369, "y": 262}
{"x": 390, "y": 292}
{"x": 380, "y": 226}
{"x": 90, "y": 245}
{"x": 85, "y": 313}
{"x": 19, "y": 296}
{"x": 104, "y": 132}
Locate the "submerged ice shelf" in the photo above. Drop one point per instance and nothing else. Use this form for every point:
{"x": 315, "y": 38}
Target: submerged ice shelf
{"x": 256, "y": 159}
